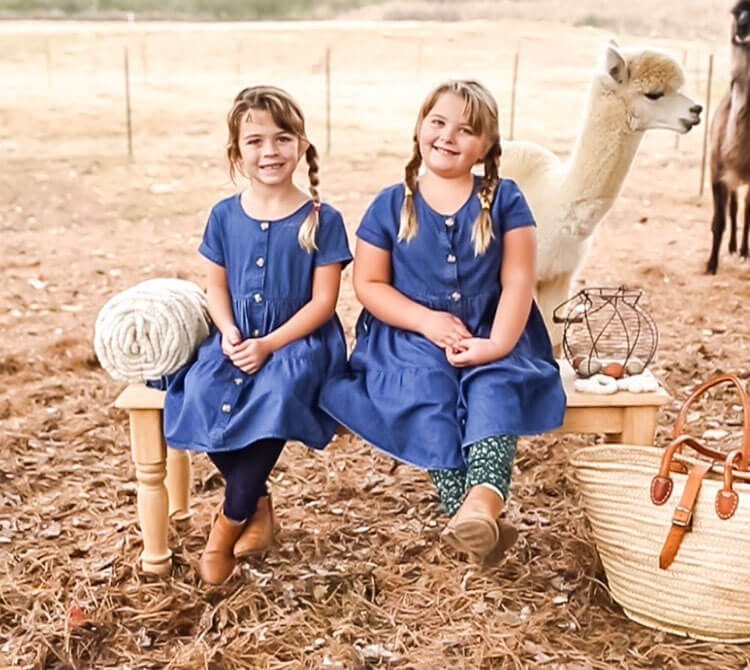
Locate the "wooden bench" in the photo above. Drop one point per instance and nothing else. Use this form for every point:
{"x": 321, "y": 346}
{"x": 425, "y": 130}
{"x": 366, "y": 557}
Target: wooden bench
{"x": 163, "y": 473}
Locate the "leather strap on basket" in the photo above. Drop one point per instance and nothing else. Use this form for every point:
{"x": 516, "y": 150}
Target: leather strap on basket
{"x": 661, "y": 484}
{"x": 682, "y": 519}
{"x": 727, "y": 498}
{"x": 679, "y": 423}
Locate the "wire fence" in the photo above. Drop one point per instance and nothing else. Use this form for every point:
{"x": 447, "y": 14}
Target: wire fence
{"x": 68, "y": 94}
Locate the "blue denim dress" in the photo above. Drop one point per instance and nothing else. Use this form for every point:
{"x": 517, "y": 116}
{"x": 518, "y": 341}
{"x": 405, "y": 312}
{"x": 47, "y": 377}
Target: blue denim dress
{"x": 211, "y": 405}
{"x": 399, "y": 391}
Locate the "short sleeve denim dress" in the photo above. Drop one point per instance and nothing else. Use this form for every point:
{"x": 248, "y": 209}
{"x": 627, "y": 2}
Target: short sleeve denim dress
{"x": 399, "y": 391}
{"x": 213, "y": 406}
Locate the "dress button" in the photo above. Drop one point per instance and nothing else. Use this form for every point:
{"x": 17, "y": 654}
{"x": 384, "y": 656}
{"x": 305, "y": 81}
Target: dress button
{"x": 450, "y": 221}
{"x": 451, "y": 258}
{"x": 455, "y": 296}
{"x": 238, "y": 381}
{"x": 260, "y": 262}
{"x": 226, "y": 408}
{"x": 256, "y": 332}
{"x": 258, "y": 297}
{"x": 264, "y": 225}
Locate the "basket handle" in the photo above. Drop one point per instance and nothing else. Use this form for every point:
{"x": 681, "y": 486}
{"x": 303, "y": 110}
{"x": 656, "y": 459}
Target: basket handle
{"x": 556, "y": 312}
{"x": 662, "y": 484}
{"x": 744, "y": 398}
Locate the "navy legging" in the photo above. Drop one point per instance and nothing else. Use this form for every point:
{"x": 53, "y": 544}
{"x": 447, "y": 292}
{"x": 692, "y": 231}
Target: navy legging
{"x": 245, "y": 472}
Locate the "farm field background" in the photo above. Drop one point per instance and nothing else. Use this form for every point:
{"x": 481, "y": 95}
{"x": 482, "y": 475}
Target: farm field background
{"x": 359, "y": 579}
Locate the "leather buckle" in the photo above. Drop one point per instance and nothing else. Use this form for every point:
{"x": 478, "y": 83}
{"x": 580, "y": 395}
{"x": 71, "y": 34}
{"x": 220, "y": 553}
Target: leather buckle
{"x": 683, "y": 517}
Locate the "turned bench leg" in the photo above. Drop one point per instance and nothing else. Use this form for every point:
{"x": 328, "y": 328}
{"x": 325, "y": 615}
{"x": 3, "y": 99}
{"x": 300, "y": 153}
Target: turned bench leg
{"x": 149, "y": 455}
{"x": 639, "y": 425}
{"x": 179, "y": 476}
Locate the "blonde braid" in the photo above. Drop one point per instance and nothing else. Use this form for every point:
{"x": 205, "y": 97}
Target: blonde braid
{"x": 482, "y": 232}
{"x": 409, "y": 225}
{"x": 309, "y": 227}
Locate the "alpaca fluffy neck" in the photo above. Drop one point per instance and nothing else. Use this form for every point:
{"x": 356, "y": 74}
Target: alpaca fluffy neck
{"x": 601, "y": 159}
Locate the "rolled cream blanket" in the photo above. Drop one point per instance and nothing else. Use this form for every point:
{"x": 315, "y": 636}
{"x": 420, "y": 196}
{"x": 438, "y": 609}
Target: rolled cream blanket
{"x": 151, "y": 329}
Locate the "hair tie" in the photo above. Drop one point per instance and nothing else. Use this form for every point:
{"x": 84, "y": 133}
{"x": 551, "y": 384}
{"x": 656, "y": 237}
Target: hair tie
{"x": 316, "y": 207}
{"x": 407, "y": 191}
{"x": 483, "y": 201}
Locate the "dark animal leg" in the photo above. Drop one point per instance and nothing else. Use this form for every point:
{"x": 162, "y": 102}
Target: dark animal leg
{"x": 744, "y": 253}
{"x": 720, "y": 192}
{"x": 733, "y": 222}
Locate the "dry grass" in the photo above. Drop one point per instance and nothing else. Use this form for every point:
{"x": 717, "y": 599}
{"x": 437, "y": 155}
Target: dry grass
{"x": 358, "y": 579}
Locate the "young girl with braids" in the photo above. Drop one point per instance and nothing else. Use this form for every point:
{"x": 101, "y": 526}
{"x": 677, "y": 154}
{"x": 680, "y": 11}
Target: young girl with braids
{"x": 273, "y": 259}
{"x": 452, "y": 360}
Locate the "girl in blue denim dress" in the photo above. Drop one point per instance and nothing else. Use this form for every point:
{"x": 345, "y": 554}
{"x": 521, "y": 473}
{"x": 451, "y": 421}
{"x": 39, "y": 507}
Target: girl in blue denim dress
{"x": 274, "y": 256}
{"x": 452, "y": 360}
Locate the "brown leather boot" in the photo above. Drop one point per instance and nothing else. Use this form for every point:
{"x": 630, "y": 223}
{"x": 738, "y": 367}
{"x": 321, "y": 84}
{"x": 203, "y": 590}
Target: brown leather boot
{"x": 258, "y": 533}
{"x": 217, "y": 559}
{"x": 476, "y": 530}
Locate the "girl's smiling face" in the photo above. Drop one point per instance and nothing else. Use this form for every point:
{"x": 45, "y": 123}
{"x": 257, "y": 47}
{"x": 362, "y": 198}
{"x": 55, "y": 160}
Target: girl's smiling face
{"x": 268, "y": 154}
{"x": 449, "y": 145}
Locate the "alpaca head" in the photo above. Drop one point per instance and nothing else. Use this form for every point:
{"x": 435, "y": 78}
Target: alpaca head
{"x": 741, "y": 24}
{"x": 740, "y": 32}
{"x": 646, "y": 84}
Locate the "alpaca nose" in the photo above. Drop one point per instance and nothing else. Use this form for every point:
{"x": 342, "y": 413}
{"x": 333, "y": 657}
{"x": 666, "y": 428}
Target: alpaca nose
{"x": 696, "y": 109}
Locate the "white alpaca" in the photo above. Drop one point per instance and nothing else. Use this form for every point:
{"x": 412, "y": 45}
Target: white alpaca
{"x": 634, "y": 91}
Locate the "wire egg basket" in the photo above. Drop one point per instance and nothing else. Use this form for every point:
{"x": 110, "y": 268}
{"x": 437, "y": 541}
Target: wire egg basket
{"x": 607, "y": 330}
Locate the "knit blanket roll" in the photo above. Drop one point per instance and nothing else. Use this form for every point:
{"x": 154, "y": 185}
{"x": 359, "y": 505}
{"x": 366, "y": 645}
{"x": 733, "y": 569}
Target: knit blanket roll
{"x": 151, "y": 329}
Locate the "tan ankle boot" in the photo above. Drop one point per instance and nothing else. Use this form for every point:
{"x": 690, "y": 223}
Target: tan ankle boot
{"x": 258, "y": 533}
{"x": 476, "y": 530}
{"x": 217, "y": 559}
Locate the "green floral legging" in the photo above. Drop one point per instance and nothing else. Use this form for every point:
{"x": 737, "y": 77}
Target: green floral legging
{"x": 490, "y": 463}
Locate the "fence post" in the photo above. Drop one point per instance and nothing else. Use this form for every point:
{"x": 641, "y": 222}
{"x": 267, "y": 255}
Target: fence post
{"x": 513, "y": 95}
{"x": 127, "y": 105}
{"x": 328, "y": 100}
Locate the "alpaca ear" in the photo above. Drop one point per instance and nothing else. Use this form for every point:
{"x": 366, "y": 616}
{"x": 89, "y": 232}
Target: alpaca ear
{"x": 615, "y": 64}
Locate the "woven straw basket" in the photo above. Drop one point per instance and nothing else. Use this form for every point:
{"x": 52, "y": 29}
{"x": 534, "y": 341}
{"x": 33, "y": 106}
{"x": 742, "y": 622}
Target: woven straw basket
{"x": 702, "y": 588}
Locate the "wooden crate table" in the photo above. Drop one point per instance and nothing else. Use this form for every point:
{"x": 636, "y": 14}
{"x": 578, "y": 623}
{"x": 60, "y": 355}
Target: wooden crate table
{"x": 629, "y": 418}
{"x": 163, "y": 473}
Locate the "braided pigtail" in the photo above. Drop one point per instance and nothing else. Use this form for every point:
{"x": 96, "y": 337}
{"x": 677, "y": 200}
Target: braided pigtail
{"x": 309, "y": 227}
{"x": 409, "y": 225}
{"x": 482, "y": 232}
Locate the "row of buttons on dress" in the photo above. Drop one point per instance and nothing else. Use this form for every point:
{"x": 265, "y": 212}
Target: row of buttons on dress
{"x": 451, "y": 258}
{"x": 260, "y": 262}
{"x": 258, "y": 297}
{"x": 226, "y": 407}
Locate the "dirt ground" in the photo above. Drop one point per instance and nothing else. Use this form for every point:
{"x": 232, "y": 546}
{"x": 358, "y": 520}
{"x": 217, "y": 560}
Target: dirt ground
{"x": 358, "y": 579}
